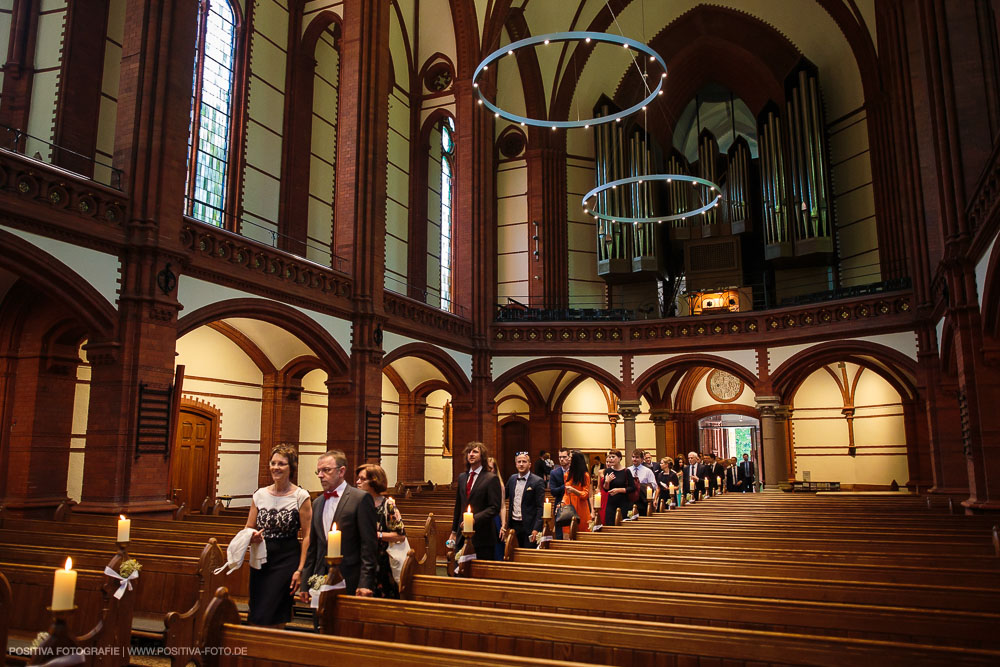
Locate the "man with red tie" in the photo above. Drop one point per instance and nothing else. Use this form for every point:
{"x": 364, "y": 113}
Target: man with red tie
{"x": 353, "y": 511}
{"x": 479, "y": 489}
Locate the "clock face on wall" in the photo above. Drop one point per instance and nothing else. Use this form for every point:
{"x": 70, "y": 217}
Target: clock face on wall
{"x": 723, "y": 387}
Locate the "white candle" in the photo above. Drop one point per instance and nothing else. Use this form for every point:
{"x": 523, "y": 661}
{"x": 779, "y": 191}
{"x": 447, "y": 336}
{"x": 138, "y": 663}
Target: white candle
{"x": 672, "y": 489}
{"x": 547, "y": 510}
{"x": 64, "y": 588}
{"x": 704, "y": 484}
{"x": 649, "y": 493}
{"x": 333, "y": 542}
{"x": 597, "y": 500}
{"x": 124, "y": 528}
{"x": 467, "y": 520}
{"x": 718, "y": 480}
{"x": 691, "y": 485}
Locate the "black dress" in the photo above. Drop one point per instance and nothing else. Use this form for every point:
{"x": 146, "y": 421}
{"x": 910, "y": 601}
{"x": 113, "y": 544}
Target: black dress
{"x": 389, "y": 521}
{"x": 623, "y": 480}
{"x": 278, "y": 521}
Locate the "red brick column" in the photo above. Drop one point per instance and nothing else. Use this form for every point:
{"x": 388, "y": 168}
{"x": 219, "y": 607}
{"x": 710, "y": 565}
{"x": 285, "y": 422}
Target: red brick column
{"x": 280, "y": 418}
{"x": 548, "y": 271}
{"x": 412, "y": 437}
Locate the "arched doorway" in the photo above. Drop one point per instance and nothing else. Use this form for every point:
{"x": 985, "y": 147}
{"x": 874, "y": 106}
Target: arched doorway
{"x": 513, "y": 438}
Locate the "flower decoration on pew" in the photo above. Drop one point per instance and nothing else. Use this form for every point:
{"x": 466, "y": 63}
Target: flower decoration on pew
{"x": 129, "y": 566}
{"x": 634, "y": 47}
{"x": 316, "y": 581}
{"x": 126, "y": 574}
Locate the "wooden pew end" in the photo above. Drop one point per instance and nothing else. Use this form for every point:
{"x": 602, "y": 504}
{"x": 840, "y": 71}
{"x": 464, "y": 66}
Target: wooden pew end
{"x": 221, "y": 610}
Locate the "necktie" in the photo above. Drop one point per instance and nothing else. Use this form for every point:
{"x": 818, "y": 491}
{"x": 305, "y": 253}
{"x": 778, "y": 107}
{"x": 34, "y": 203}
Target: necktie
{"x": 468, "y": 484}
{"x": 330, "y": 494}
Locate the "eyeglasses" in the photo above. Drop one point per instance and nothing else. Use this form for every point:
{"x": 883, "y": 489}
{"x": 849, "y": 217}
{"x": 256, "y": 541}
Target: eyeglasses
{"x": 516, "y": 454}
{"x": 325, "y": 471}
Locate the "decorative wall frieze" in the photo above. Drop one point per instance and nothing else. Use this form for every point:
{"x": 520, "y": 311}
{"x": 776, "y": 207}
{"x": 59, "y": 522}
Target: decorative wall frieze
{"x": 34, "y": 191}
{"x": 434, "y": 320}
{"x": 822, "y": 320}
{"x": 275, "y": 265}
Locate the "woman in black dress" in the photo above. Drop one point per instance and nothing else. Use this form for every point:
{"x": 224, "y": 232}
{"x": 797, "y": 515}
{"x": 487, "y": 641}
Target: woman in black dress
{"x": 618, "y": 483}
{"x": 372, "y": 478}
{"x": 277, "y": 513}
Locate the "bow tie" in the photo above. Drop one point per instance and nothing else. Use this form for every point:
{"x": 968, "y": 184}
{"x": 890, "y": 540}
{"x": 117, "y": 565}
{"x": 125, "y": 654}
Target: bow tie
{"x": 522, "y": 479}
{"x": 330, "y": 494}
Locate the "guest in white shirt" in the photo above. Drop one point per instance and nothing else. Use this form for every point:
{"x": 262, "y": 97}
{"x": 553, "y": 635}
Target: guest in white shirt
{"x": 644, "y": 476}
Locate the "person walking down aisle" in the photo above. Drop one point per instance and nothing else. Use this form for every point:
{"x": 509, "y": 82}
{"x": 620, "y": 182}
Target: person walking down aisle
{"x": 478, "y": 489}
{"x": 390, "y": 530}
{"x": 619, "y": 483}
{"x": 578, "y": 490}
{"x": 277, "y": 513}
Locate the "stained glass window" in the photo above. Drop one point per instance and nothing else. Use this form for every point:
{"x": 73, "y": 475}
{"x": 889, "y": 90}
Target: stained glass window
{"x": 211, "y": 113}
{"x": 447, "y": 171}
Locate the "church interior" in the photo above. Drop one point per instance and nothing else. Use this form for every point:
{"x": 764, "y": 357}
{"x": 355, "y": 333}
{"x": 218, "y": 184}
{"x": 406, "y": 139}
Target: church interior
{"x": 394, "y": 227}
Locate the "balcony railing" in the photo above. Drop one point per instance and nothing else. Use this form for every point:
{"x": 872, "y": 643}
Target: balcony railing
{"x": 42, "y": 150}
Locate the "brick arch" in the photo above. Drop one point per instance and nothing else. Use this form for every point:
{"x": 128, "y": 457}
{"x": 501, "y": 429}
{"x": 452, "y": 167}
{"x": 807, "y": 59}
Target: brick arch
{"x": 318, "y": 339}
{"x": 61, "y": 283}
{"x": 301, "y": 366}
{"x": 689, "y": 361}
{"x": 990, "y": 294}
{"x": 894, "y": 367}
{"x": 726, "y": 409}
{"x": 560, "y": 363}
{"x": 459, "y": 384}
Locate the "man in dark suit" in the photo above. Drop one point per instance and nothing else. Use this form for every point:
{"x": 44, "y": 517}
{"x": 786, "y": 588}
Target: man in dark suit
{"x": 525, "y": 495}
{"x": 353, "y": 511}
{"x": 479, "y": 489}
{"x": 694, "y": 472}
{"x": 732, "y": 475}
{"x": 745, "y": 474}
{"x": 717, "y": 473}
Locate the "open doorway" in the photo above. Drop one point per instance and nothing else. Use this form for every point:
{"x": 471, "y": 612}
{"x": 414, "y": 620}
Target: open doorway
{"x": 730, "y": 435}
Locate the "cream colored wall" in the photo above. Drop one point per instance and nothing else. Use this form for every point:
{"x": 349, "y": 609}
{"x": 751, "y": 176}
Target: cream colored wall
{"x": 78, "y": 438}
{"x": 437, "y": 468}
{"x": 512, "y": 231}
{"x": 266, "y": 105}
{"x": 854, "y": 199}
{"x": 820, "y": 432}
{"x": 585, "y": 424}
{"x": 323, "y": 158}
{"x": 390, "y": 430}
{"x": 312, "y": 426}
{"x": 397, "y": 204}
{"x": 586, "y": 289}
{"x": 221, "y": 374}
{"x": 108, "y": 114}
{"x": 45, "y": 82}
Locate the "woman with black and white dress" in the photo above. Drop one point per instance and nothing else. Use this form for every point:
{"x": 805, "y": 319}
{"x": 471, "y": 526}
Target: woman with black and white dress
{"x": 277, "y": 514}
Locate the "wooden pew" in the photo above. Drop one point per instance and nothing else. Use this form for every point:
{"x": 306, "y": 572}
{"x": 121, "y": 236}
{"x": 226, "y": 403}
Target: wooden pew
{"x": 228, "y": 643}
{"x": 615, "y": 642}
{"x": 181, "y": 628}
{"x": 706, "y": 608}
{"x": 29, "y": 592}
{"x": 929, "y": 596}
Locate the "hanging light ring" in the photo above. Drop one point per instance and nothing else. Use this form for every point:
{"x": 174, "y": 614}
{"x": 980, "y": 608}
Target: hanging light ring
{"x": 586, "y": 36}
{"x": 668, "y": 178}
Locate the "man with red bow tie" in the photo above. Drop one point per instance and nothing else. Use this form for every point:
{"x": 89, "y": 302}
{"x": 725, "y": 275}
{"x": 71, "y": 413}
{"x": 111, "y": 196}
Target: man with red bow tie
{"x": 353, "y": 511}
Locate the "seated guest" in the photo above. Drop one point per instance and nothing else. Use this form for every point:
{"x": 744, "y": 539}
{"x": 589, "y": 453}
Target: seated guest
{"x": 277, "y": 513}
{"x": 390, "y": 529}
{"x": 644, "y": 476}
{"x": 525, "y": 495}
{"x": 619, "y": 483}
{"x": 479, "y": 489}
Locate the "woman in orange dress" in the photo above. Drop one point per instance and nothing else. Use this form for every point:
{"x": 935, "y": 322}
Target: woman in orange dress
{"x": 578, "y": 489}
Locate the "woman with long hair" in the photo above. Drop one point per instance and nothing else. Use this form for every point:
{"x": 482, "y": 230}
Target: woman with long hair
{"x": 578, "y": 488}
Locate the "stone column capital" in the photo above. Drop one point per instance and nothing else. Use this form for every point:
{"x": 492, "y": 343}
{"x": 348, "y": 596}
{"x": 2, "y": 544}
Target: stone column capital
{"x": 661, "y": 415}
{"x": 629, "y": 409}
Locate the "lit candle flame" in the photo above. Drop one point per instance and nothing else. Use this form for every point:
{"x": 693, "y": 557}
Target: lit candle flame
{"x": 69, "y": 563}
{"x": 121, "y": 516}
{"x": 469, "y": 509}
{"x": 333, "y": 528}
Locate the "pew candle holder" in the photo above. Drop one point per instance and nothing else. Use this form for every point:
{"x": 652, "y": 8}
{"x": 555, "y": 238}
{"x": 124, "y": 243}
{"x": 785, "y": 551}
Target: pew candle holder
{"x": 333, "y": 575}
{"x": 60, "y": 643}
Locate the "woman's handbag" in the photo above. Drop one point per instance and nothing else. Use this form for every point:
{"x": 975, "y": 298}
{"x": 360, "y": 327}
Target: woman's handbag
{"x": 565, "y": 515}
{"x": 397, "y": 554}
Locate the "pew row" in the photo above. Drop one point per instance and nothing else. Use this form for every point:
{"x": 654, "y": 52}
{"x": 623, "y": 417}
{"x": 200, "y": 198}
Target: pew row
{"x": 225, "y": 643}
{"x": 625, "y": 643}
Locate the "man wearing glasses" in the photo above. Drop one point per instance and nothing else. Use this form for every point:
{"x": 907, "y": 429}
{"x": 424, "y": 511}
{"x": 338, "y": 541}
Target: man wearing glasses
{"x": 353, "y": 511}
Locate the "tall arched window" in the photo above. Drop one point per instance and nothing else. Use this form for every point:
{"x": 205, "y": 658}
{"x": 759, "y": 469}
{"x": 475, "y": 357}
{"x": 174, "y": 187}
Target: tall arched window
{"x": 447, "y": 174}
{"x": 211, "y": 113}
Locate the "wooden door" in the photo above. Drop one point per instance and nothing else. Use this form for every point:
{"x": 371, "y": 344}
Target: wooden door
{"x": 192, "y": 460}
{"x": 514, "y": 438}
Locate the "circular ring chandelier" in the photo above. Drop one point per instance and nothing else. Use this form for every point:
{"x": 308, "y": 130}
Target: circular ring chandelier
{"x": 576, "y": 36}
{"x": 694, "y": 180}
